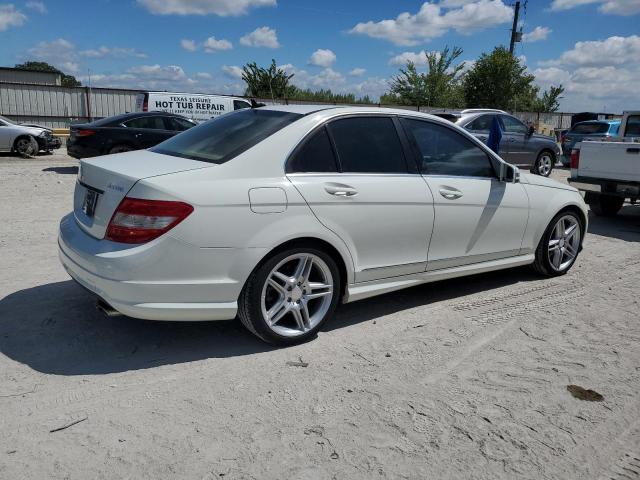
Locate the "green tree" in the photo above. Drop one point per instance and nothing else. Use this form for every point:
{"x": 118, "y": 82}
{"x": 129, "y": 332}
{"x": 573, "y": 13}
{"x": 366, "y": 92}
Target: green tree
{"x": 550, "y": 100}
{"x": 67, "y": 80}
{"x": 271, "y": 82}
{"x": 439, "y": 86}
{"x": 326, "y": 96}
{"x": 499, "y": 80}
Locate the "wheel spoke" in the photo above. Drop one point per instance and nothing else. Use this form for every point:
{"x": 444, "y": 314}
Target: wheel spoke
{"x": 571, "y": 251}
{"x": 297, "y": 314}
{"x": 318, "y": 290}
{"x": 571, "y": 230}
{"x": 276, "y": 286}
{"x": 279, "y": 310}
{"x": 553, "y": 244}
{"x": 557, "y": 258}
{"x": 304, "y": 268}
{"x": 304, "y": 311}
{"x": 280, "y": 276}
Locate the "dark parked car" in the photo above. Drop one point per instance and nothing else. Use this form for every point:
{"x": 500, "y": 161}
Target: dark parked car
{"x": 122, "y": 133}
{"x": 520, "y": 144}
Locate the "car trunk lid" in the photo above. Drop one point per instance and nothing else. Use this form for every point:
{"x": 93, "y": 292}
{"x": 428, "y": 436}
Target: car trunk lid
{"x": 104, "y": 181}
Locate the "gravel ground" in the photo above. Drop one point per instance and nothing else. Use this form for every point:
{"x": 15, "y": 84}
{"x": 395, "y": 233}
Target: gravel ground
{"x": 461, "y": 379}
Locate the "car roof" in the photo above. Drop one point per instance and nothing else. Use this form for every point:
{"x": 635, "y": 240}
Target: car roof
{"x": 123, "y": 117}
{"x": 331, "y": 110}
{"x": 611, "y": 122}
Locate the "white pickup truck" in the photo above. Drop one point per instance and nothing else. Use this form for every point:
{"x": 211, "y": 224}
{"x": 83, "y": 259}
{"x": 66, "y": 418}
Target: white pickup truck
{"x": 608, "y": 171}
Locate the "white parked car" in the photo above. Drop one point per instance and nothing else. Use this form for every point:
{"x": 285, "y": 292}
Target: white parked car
{"x": 278, "y": 214}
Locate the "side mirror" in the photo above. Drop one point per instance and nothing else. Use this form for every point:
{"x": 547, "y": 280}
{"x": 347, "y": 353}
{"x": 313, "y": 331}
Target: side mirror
{"x": 509, "y": 173}
{"x": 531, "y": 131}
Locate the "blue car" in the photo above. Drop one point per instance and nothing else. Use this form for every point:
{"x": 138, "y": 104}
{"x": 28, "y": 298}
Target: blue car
{"x": 591, "y": 129}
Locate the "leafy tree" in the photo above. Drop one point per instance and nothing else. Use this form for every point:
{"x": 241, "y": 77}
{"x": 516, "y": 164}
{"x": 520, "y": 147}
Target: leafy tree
{"x": 67, "y": 80}
{"x": 272, "y": 82}
{"x": 550, "y": 100}
{"x": 499, "y": 80}
{"x": 438, "y": 87}
{"x": 326, "y": 96}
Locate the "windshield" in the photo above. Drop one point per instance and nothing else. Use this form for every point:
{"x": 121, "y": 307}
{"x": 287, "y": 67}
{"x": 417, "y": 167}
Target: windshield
{"x": 590, "y": 128}
{"x": 6, "y": 120}
{"x": 221, "y": 139}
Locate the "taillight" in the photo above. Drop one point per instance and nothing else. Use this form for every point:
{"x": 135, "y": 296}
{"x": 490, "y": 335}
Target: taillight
{"x": 145, "y": 104}
{"x": 84, "y": 132}
{"x": 139, "y": 221}
{"x": 575, "y": 158}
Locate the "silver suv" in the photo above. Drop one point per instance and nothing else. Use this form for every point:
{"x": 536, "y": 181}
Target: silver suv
{"x": 520, "y": 144}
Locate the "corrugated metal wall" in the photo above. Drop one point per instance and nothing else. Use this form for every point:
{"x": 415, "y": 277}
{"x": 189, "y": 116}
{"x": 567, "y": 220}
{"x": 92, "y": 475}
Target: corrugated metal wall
{"x": 57, "y": 107}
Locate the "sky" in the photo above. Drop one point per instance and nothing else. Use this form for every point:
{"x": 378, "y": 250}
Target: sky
{"x": 591, "y": 47}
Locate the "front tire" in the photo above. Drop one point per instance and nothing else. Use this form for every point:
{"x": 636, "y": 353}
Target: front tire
{"x": 544, "y": 164}
{"x": 560, "y": 245}
{"x": 26, "y": 147}
{"x": 606, "y": 205}
{"x": 287, "y": 299}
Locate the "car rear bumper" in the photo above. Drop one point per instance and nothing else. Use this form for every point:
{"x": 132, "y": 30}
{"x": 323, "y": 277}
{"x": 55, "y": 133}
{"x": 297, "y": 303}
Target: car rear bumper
{"x": 165, "y": 279}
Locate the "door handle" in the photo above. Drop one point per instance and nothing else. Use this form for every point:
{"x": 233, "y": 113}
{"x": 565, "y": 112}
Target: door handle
{"x": 340, "y": 190}
{"x": 450, "y": 194}
{"x": 633, "y": 150}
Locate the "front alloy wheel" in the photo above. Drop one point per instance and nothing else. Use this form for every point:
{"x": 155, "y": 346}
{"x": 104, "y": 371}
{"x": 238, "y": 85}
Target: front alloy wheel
{"x": 288, "y": 298}
{"x": 560, "y": 245}
{"x": 544, "y": 165}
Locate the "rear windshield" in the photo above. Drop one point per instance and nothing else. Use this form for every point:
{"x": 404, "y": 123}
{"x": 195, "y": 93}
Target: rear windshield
{"x": 223, "y": 138}
{"x": 589, "y": 128}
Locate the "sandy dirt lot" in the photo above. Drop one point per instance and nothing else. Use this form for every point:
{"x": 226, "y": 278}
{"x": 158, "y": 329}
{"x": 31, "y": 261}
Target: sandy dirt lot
{"x": 461, "y": 379}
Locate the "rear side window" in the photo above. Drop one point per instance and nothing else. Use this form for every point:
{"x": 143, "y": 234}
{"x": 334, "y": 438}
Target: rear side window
{"x": 633, "y": 126}
{"x": 153, "y": 123}
{"x": 483, "y": 122}
{"x": 315, "y": 155}
{"x": 590, "y": 128}
{"x": 227, "y": 136}
{"x": 368, "y": 145}
{"x": 446, "y": 152}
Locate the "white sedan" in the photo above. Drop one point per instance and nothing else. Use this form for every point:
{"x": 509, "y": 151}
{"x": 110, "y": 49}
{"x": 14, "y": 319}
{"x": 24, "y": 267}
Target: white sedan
{"x": 278, "y": 214}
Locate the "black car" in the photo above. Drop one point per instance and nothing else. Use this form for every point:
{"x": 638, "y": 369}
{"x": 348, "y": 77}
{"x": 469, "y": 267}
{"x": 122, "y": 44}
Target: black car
{"x": 123, "y": 133}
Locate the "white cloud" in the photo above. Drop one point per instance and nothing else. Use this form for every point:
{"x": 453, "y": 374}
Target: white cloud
{"x": 436, "y": 19}
{"x": 37, "y": 7}
{"x": 536, "y": 35}
{"x": 222, "y": 8}
{"x": 188, "y": 45}
{"x": 417, "y": 58}
{"x": 357, "y": 72}
{"x": 232, "y": 71}
{"x": 322, "y": 58}
{"x": 261, "y": 37}
{"x": 612, "y": 7}
{"x": 169, "y": 72}
{"x": 211, "y": 45}
{"x": 115, "y": 52}
{"x": 204, "y": 75}
{"x": 612, "y": 51}
{"x": 596, "y": 74}
{"x": 10, "y": 17}
{"x": 55, "y": 51}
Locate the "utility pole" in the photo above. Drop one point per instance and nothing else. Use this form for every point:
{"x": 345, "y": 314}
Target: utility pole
{"x": 515, "y": 35}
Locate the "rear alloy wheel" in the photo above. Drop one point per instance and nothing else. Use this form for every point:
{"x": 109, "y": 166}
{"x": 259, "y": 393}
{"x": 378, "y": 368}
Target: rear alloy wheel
{"x": 560, "y": 245}
{"x": 544, "y": 164}
{"x": 606, "y": 205}
{"x": 288, "y": 298}
{"x": 120, "y": 149}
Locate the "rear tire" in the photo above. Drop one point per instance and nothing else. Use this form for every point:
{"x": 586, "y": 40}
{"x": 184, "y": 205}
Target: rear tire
{"x": 560, "y": 245}
{"x": 288, "y": 298}
{"x": 120, "y": 149}
{"x": 544, "y": 164}
{"x": 606, "y": 205}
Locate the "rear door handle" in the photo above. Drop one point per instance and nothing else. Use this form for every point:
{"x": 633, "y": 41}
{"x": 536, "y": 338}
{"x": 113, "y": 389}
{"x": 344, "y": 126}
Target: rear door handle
{"x": 633, "y": 150}
{"x": 340, "y": 190}
{"x": 450, "y": 194}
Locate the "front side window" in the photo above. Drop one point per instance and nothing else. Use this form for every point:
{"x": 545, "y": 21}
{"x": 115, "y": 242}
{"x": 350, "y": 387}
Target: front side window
{"x": 633, "y": 126}
{"x": 152, "y": 123}
{"x": 227, "y": 136}
{"x": 446, "y": 152}
{"x": 179, "y": 124}
{"x": 240, "y": 104}
{"x": 513, "y": 125}
{"x": 315, "y": 155}
{"x": 368, "y": 145}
